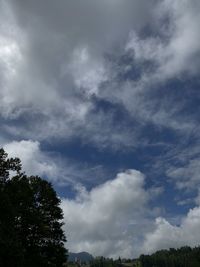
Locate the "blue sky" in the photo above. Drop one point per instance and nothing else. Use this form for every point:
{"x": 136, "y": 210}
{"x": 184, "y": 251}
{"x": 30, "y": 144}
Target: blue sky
{"x": 102, "y": 99}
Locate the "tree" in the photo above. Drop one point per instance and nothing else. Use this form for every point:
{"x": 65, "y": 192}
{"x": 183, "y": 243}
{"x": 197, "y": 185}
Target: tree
{"x": 31, "y": 219}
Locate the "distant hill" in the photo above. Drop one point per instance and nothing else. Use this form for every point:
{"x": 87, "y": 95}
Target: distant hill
{"x": 83, "y": 256}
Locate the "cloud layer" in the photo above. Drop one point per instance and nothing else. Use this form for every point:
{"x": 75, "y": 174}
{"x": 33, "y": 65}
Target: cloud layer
{"x": 54, "y": 63}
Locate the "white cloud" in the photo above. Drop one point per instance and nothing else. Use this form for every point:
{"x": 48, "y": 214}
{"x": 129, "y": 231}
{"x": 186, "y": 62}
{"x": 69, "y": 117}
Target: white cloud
{"x": 109, "y": 219}
{"x": 49, "y": 165}
{"x": 187, "y": 176}
{"x": 170, "y": 52}
{"x": 176, "y": 46}
{"x": 184, "y": 45}
{"x": 88, "y": 72}
{"x": 167, "y": 235}
{"x": 34, "y": 162}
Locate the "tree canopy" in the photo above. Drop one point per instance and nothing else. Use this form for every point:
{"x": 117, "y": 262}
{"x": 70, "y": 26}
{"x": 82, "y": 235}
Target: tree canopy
{"x": 30, "y": 219}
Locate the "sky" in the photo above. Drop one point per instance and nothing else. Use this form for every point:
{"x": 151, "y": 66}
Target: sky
{"x": 102, "y": 99}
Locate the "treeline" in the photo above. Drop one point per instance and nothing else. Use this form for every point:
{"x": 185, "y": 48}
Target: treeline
{"x": 109, "y": 262}
{"x": 183, "y": 257}
{"x": 105, "y": 262}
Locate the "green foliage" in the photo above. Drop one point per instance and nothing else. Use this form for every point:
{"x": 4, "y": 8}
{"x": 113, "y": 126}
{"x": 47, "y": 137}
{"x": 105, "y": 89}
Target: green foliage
{"x": 183, "y": 257}
{"x": 30, "y": 219}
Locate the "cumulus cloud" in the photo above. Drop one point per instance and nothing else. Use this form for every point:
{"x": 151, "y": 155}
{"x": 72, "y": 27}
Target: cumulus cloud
{"x": 167, "y": 235}
{"x": 110, "y": 218}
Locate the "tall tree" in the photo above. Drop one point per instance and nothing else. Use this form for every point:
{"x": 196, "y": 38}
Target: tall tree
{"x": 32, "y": 219}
